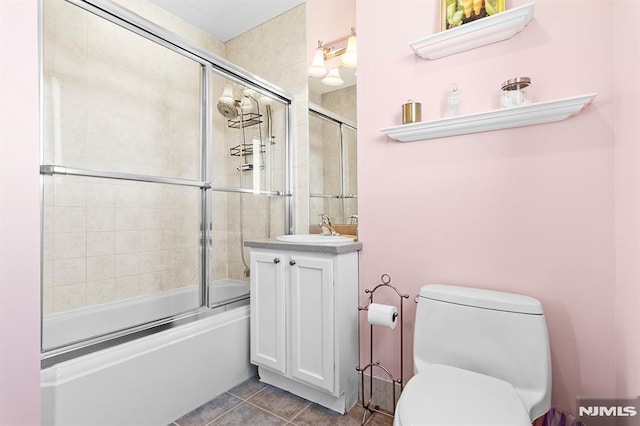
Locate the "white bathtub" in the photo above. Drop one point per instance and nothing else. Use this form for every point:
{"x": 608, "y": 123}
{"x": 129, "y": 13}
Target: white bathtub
{"x": 60, "y": 329}
{"x": 155, "y": 379}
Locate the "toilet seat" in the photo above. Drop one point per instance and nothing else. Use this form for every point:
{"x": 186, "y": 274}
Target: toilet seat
{"x": 443, "y": 395}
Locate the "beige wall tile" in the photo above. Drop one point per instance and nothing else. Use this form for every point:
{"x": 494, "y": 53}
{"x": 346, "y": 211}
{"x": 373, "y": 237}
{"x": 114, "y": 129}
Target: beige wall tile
{"x": 127, "y": 264}
{"x": 70, "y": 245}
{"x": 100, "y": 243}
{"x": 150, "y": 218}
{"x": 150, "y": 261}
{"x": 151, "y": 197}
{"x": 127, "y": 287}
{"x": 70, "y": 192}
{"x": 70, "y": 219}
{"x": 127, "y": 241}
{"x": 150, "y": 282}
{"x": 102, "y": 291}
{"x": 128, "y": 195}
{"x": 68, "y": 297}
{"x": 150, "y": 240}
{"x": 100, "y": 268}
{"x": 69, "y": 271}
{"x": 127, "y": 218}
{"x": 100, "y": 194}
{"x": 100, "y": 219}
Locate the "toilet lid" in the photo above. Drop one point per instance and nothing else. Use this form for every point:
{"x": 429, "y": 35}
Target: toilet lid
{"x": 444, "y": 395}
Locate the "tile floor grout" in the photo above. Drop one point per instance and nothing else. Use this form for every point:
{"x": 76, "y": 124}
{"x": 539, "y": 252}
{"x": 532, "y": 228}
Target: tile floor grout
{"x": 230, "y": 409}
{"x": 242, "y": 401}
{"x": 267, "y": 411}
{"x": 301, "y": 416}
{"x": 299, "y": 412}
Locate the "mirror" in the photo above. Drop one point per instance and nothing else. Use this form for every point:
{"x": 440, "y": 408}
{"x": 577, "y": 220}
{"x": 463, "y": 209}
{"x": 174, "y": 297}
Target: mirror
{"x": 332, "y": 162}
{"x": 332, "y": 119}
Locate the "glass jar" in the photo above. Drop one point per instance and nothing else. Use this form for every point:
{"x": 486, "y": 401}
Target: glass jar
{"x": 516, "y": 92}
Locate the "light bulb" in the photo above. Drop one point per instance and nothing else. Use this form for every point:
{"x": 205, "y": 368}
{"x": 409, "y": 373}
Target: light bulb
{"x": 333, "y": 78}
{"x": 318, "y": 69}
{"x": 349, "y": 58}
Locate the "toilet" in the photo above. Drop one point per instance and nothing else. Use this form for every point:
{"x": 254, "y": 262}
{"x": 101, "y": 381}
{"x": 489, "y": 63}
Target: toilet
{"x": 481, "y": 357}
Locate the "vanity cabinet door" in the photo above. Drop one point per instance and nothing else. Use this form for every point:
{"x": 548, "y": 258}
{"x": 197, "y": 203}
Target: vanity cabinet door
{"x": 268, "y": 345}
{"x": 312, "y": 320}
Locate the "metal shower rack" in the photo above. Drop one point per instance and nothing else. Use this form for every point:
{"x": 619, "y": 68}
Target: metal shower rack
{"x": 245, "y": 120}
{"x": 244, "y": 149}
{"x": 385, "y": 280}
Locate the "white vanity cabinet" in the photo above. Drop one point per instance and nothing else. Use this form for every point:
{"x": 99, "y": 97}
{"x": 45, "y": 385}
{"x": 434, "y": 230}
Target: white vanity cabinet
{"x": 304, "y": 320}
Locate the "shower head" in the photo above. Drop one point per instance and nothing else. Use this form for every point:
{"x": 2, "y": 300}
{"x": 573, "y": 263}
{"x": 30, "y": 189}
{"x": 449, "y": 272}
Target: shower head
{"x": 228, "y": 109}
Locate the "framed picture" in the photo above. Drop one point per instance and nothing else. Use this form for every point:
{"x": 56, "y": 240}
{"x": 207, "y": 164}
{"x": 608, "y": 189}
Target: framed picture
{"x": 459, "y": 12}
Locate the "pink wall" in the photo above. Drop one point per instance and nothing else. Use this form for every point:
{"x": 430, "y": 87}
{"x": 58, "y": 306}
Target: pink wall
{"x": 19, "y": 215}
{"x": 627, "y": 90}
{"x": 527, "y": 210}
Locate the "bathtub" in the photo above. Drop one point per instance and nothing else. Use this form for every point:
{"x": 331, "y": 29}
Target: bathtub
{"x": 155, "y": 379}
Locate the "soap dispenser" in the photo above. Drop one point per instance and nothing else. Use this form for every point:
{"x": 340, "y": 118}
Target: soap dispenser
{"x": 453, "y": 100}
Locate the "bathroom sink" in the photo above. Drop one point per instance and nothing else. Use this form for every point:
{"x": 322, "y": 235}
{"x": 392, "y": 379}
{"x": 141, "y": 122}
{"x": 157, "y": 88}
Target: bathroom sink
{"x": 315, "y": 238}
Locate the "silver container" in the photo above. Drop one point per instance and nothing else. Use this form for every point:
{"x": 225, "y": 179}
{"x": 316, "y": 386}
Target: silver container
{"x": 516, "y": 92}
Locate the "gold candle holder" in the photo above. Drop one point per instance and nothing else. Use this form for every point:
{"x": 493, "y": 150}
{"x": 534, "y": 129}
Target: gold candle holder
{"x": 411, "y": 112}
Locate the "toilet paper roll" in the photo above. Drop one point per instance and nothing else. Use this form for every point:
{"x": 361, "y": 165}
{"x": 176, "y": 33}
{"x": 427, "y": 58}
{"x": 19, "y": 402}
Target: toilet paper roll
{"x": 382, "y": 315}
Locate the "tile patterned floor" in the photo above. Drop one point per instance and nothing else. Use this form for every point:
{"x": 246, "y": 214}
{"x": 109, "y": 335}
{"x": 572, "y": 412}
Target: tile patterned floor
{"x": 255, "y": 403}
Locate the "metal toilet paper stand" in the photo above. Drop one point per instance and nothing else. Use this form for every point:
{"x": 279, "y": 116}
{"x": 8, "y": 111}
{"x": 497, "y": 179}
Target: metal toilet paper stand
{"x": 369, "y": 407}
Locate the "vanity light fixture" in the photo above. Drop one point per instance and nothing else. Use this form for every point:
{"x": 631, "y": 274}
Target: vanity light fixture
{"x": 341, "y": 52}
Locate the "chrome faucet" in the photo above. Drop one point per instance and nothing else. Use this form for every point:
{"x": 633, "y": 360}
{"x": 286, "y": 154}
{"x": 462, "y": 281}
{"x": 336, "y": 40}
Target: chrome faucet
{"x": 325, "y": 225}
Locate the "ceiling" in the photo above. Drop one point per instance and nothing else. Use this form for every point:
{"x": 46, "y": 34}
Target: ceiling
{"x": 226, "y": 19}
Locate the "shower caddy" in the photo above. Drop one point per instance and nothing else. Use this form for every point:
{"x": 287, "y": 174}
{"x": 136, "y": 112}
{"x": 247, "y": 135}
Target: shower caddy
{"x": 244, "y": 149}
{"x": 385, "y": 280}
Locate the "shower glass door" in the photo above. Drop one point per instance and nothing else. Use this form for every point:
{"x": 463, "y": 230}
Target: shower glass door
{"x": 149, "y": 190}
{"x": 122, "y": 178}
{"x": 249, "y": 169}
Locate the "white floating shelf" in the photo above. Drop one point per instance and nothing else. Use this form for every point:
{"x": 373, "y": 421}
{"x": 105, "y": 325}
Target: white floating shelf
{"x": 506, "y": 118}
{"x": 491, "y": 29}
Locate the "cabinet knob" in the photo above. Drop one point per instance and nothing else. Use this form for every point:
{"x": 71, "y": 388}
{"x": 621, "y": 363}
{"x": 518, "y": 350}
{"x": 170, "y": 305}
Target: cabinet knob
{"x": 292, "y": 262}
{"x": 276, "y": 260}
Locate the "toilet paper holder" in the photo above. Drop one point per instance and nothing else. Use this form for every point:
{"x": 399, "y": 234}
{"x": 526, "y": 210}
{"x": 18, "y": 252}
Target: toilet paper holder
{"x": 369, "y": 407}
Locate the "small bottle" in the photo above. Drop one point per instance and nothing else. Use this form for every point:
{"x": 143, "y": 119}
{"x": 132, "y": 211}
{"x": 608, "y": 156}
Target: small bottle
{"x": 454, "y": 100}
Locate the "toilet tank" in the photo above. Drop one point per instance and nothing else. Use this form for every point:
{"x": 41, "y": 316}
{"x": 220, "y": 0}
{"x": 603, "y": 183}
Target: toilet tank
{"x": 498, "y": 334}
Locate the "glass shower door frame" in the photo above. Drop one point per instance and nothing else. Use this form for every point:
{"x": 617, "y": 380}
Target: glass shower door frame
{"x": 210, "y": 64}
